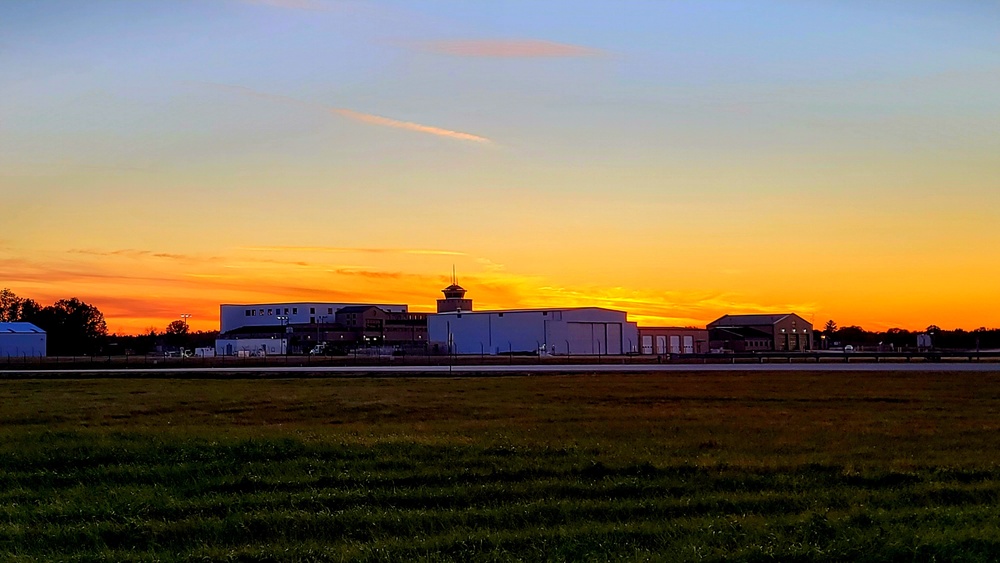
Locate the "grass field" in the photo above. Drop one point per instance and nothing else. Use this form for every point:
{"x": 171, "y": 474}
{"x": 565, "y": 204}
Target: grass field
{"x": 727, "y": 466}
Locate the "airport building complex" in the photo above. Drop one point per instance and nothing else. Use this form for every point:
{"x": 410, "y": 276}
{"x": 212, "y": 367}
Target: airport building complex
{"x": 457, "y": 328}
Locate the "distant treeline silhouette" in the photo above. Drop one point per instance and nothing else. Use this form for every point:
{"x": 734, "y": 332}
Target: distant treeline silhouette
{"x": 72, "y": 327}
{"x": 958, "y": 339}
{"x": 76, "y": 328}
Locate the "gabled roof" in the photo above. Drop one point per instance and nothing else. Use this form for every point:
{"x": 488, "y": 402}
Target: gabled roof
{"x": 20, "y": 328}
{"x": 356, "y": 308}
{"x": 748, "y": 320}
{"x": 740, "y": 332}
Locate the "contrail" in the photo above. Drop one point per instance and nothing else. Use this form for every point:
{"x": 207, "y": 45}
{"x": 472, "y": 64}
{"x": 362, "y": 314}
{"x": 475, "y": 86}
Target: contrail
{"x": 355, "y": 115}
{"x": 386, "y": 122}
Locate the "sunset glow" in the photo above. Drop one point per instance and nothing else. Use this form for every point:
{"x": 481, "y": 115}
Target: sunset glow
{"x": 677, "y": 160}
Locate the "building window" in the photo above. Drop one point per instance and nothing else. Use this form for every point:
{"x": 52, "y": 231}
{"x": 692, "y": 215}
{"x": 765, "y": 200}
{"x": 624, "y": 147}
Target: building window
{"x": 312, "y": 320}
{"x": 545, "y": 313}
{"x": 499, "y": 314}
{"x": 329, "y": 310}
{"x": 248, "y": 313}
{"x": 269, "y": 312}
{"x": 312, "y": 310}
{"x": 458, "y": 316}
{"x": 261, "y": 313}
{"x": 286, "y": 310}
{"x": 295, "y": 310}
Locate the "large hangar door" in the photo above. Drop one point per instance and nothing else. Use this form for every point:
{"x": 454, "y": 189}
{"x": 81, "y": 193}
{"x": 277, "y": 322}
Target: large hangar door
{"x": 595, "y": 338}
{"x": 613, "y": 335}
{"x": 581, "y": 338}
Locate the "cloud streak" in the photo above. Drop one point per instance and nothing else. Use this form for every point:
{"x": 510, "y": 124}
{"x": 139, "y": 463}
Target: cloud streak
{"x": 133, "y": 253}
{"x": 347, "y": 250}
{"x": 408, "y": 125}
{"x": 362, "y": 117}
{"x": 506, "y": 48}
{"x": 309, "y": 5}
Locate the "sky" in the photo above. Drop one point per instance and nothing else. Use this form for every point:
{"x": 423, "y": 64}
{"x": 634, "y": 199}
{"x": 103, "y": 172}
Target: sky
{"x": 679, "y": 160}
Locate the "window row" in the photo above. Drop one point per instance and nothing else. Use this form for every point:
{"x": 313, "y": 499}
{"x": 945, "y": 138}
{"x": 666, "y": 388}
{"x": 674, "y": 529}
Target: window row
{"x": 270, "y": 312}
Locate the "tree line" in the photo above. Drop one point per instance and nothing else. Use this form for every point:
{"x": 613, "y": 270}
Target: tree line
{"x": 72, "y": 327}
{"x": 958, "y": 339}
{"x": 76, "y": 328}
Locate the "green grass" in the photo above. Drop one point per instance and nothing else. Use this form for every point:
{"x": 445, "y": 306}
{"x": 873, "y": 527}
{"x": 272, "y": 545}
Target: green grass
{"x": 712, "y": 467}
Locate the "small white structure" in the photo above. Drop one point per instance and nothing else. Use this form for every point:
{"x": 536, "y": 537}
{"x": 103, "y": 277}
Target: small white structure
{"x": 232, "y": 317}
{"x": 245, "y": 347}
{"x": 21, "y": 340}
{"x": 576, "y": 331}
{"x": 204, "y": 352}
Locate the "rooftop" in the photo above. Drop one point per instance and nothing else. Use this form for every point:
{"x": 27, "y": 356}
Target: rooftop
{"x": 494, "y": 311}
{"x": 749, "y": 320}
{"x": 20, "y": 328}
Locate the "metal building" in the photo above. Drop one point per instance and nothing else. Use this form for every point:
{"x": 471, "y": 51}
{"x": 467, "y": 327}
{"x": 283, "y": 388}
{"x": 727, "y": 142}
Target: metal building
{"x": 21, "y": 340}
{"x": 582, "y": 330}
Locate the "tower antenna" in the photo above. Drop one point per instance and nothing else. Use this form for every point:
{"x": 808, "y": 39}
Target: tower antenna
{"x": 454, "y": 278}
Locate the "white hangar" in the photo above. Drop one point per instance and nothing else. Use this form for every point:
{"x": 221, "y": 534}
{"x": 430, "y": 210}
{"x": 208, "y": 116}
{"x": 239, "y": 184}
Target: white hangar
{"x": 19, "y": 340}
{"x": 580, "y": 330}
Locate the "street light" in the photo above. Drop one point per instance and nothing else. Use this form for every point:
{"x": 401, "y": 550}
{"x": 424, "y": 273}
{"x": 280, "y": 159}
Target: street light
{"x": 283, "y": 319}
{"x": 182, "y": 338}
{"x": 322, "y": 320}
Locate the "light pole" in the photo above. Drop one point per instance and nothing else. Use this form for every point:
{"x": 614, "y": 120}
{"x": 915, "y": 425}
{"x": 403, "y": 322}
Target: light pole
{"x": 182, "y": 338}
{"x": 283, "y": 319}
{"x": 322, "y": 320}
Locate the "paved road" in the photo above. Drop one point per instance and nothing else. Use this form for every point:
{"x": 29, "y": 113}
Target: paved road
{"x": 530, "y": 369}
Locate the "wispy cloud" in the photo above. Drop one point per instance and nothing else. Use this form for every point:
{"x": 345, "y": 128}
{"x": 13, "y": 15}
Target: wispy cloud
{"x": 489, "y": 265}
{"x": 505, "y": 48}
{"x": 311, "y": 5}
{"x": 372, "y": 274}
{"x": 408, "y": 125}
{"x": 347, "y": 250}
{"x": 362, "y": 117}
{"x": 132, "y": 253}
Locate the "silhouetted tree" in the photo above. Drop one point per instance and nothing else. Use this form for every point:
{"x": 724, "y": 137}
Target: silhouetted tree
{"x": 830, "y": 327}
{"x": 73, "y": 327}
{"x": 852, "y": 335}
{"x": 14, "y": 308}
{"x": 176, "y": 333}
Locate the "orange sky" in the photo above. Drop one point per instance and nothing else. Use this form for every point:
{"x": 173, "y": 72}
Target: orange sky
{"x": 141, "y": 289}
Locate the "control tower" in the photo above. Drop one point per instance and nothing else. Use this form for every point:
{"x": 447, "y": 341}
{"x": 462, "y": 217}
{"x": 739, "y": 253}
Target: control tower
{"x": 454, "y": 298}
